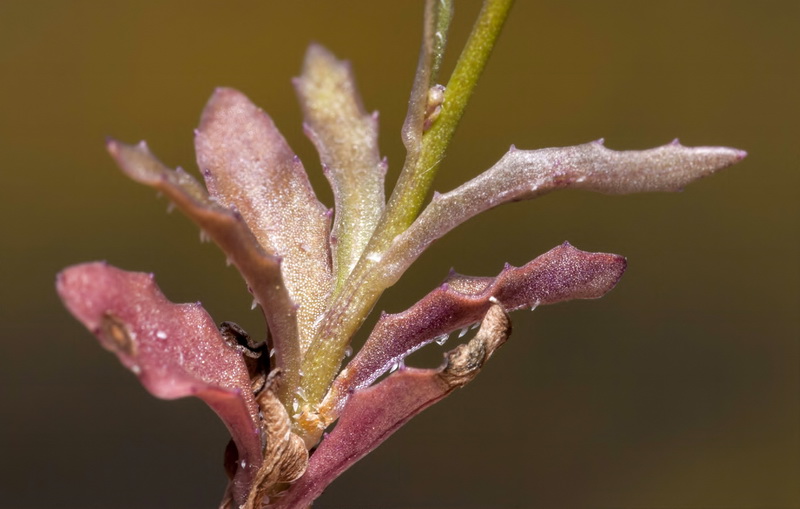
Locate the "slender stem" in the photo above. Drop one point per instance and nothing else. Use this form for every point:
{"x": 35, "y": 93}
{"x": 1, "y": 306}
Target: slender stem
{"x": 362, "y": 289}
{"x": 442, "y": 16}
{"x": 415, "y": 183}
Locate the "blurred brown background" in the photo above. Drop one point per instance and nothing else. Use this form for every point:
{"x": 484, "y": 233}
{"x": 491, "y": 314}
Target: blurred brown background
{"x": 679, "y": 389}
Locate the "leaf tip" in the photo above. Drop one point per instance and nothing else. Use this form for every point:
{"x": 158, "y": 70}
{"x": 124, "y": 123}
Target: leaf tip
{"x": 112, "y": 145}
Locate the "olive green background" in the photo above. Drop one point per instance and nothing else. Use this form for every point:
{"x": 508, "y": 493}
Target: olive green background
{"x": 679, "y": 389}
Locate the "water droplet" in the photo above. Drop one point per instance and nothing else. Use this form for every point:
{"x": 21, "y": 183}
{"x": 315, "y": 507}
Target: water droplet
{"x": 161, "y": 334}
{"x": 254, "y": 304}
{"x": 394, "y": 367}
{"x": 463, "y": 332}
{"x": 348, "y": 351}
{"x": 441, "y": 340}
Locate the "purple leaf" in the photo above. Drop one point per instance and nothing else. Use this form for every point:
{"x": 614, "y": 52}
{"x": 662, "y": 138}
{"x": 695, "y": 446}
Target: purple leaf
{"x": 371, "y": 415}
{"x": 346, "y": 138}
{"x": 176, "y": 350}
{"x": 261, "y": 271}
{"x": 525, "y": 174}
{"x": 249, "y": 167}
{"x": 563, "y": 273}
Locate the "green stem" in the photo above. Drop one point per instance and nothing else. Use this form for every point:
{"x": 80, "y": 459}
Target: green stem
{"x": 442, "y": 15}
{"x": 415, "y": 182}
{"x": 362, "y": 289}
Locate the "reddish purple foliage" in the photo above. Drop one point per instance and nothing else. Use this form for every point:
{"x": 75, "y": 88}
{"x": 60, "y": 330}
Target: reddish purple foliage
{"x": 176, "y": 350}
{"x": 563, "y": 273}
{"x": 316, "y": 283}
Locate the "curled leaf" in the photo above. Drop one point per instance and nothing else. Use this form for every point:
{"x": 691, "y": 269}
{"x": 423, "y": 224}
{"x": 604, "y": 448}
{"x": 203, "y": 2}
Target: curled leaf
{"x": 227, "y": 229}
{"x": 563, "y": 273}
{"x": 525, "y": 174}
{"x": 285, "y": 455}
{"x": 371, "y": 415}
{"x": 346, "y": 138}
{"x": 176, "y": 350}
{"x": 249, "y": 168}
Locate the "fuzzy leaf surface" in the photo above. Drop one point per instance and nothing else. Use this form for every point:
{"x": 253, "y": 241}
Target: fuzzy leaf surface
{"x": 248, "y": 167}
{"x": 227, "y": 229}
{"x": 526, "y": 174}
{"x": 175, "y": 350}
{"x": 563, "y": 273}
{"x": 371, "y": 415}
{"x": 346, "y": 138}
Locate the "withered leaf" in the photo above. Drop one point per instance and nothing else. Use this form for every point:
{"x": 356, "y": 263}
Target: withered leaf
{"x": 371, "y": 415}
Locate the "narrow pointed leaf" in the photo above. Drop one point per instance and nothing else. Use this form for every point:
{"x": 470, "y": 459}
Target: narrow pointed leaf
{"x": 176, "y": 350}
{"x": 525, "y": 174}
{"x": 249, "y": 168}
{"x": 346, "y": 138}
{"x": 227, "y": 229}
{"x": 373, "y": 414}
{"x": 563, "y": 273}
